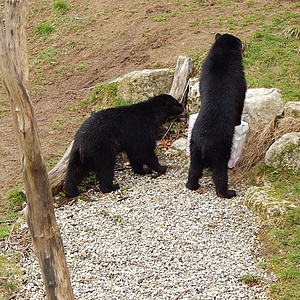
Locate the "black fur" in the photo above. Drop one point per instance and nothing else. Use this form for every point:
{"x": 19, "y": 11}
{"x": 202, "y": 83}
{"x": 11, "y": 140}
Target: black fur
{"x": 131, "y": 129}
{"x": 222, "y": 92}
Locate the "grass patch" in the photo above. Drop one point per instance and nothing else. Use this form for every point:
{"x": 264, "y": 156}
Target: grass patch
{"x": 58, "y": 124}
{"x": 43, "y": 29}
{"x": 251, "y": 280}
{"x": 282, "y": 236}
{"x": 283, "y": 244}
{"x": 8, "y": 264}
{"x": 272, "y": 58}
{"x": 60, "y": 6}
{"x": 8, "y": 272}
{"x": 285, "y": 184}
{"x": 3, "y": 107}
{"x": 104, "y": 95}
{"x": 47, "y": 55}
{"x": 14, "y": 200}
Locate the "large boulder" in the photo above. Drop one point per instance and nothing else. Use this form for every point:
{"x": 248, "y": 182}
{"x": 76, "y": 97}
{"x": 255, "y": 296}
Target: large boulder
{"x": 292, "y": 109}
{"x": 262, "y": 105}
{"x": 285, "y": 152}
{"x": 138, "y": 86}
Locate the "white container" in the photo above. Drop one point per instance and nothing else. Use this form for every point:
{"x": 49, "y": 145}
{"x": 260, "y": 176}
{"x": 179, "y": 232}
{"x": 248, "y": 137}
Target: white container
{"x": 238, "y": 142}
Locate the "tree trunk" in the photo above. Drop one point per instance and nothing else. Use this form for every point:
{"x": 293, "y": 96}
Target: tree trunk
{"x": 39, "y": 211}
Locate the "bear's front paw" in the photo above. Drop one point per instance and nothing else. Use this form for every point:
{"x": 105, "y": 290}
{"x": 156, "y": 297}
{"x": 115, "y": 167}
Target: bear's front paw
{"x": 71, "y": 192}
{"x": 112, "y": 188}
{"x": 162, "y": 169}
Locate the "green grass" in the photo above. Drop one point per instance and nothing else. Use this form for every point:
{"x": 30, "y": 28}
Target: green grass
{"x": 285, "y": 184}
{"x": 60, "y": 6}
{"x": 283, "y": 240}
{"x": 58, "y": 124}
{"x": 3, "y": 108}
{"x": 8, "y": 260}
{"x": 271, "y": 60}
{"x": 271, "y": 57}
{"x": 8, "y": 272}
{"x": 103, "y": 96}
{"x": 282, "y": 236}
{"x": 43, "y": 29}
{"x": 47, "y": 55}
{"x": 251, "y": 280}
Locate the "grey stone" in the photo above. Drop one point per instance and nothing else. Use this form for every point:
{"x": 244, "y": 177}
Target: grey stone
{"x": 179, "y": 145}
{"x": 261, "y": 201}
{"x": 262, "y": 105}
{"x": 285, "y": 152}
{"x": 292, "y": 109}
{"x": 138, "y": 86}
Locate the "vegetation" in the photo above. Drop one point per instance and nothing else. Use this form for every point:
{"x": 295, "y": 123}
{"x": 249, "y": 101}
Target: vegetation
{"x": 271, "y": 59}
{"x": 282, "y": 235}
{"x": 103, "y": 95}
{"x": 60, "y": 6}
{"x": 8, "y": 274}
{"x": 8, "y": 267}
{"x": 283, "y": 245}
{"x": 43, "y": 28}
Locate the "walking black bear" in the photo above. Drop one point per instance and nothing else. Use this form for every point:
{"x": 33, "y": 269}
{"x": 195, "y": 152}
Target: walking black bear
{"x": 222, "y": 93}
{"x": 131, "y": 129}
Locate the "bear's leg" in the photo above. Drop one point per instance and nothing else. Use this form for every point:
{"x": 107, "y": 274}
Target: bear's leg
{"x": 75, "y": 174}
{"x": 220, "y": 178}
{"x": 104, "y": 170}
{"x": 196, "y": 168}
{"x": 151, "y": 161}
{"x": 137, "y": 165}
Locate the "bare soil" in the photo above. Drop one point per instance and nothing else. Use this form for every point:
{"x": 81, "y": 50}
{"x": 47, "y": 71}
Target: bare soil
{"x": 108, "y": 38}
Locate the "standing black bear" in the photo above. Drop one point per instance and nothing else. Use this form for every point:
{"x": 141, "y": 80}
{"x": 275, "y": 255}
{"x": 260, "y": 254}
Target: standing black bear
{"x": 222, "y": 92}
{"x": 131, "y": 129}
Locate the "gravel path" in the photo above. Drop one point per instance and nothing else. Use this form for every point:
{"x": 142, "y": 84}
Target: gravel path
{"x": 154, "y": 239}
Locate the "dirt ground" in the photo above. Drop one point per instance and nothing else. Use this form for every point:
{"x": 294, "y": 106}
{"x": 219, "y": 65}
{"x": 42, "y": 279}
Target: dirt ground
{"x": 96, "y": 41}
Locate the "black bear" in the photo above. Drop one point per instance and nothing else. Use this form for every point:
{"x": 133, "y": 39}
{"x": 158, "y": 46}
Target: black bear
{"x": 222, "y": 93}
{"x": 132, "y": 129}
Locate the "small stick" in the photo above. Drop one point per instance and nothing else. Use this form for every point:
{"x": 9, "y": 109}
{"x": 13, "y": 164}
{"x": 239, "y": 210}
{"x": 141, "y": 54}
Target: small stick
{"x": 179, "y": 296}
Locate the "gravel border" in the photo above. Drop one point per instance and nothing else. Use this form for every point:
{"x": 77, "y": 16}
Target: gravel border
{"x": 155, "y": 239}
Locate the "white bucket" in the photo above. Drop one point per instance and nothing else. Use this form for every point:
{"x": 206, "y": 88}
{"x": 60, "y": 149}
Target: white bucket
{"x": 238, "y": 142}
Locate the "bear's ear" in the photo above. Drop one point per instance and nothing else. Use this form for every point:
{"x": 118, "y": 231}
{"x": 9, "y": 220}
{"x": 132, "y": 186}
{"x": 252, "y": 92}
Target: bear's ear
{"x": 235, "y": 43}
{"x": 217, "y": 37}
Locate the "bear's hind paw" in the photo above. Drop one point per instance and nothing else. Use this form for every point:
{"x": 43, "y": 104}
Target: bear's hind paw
{"x": 192, "y": 187}
{"x": 229, "y": 194}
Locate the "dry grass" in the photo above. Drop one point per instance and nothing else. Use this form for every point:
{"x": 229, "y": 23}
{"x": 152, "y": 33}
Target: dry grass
{"x": 259, "y": 139}
{"x": 287, "y": 125}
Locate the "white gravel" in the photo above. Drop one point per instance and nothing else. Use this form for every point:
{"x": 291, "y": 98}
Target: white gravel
{"x": 155, "y": 239}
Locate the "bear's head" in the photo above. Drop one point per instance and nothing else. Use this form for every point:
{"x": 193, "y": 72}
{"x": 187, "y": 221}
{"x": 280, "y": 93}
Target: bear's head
{"x": 229, "y": 41}
{"x": 175, "y": 111}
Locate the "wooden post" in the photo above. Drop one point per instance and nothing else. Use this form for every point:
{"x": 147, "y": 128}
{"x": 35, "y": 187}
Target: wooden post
{"x": 39, "y": 211}
{"x": 183, "y": 72}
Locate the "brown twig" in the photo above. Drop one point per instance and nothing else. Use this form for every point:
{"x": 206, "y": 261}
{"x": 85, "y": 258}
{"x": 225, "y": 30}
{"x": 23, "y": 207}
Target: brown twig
{"x": 181, "y": 294}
